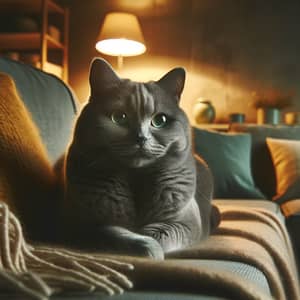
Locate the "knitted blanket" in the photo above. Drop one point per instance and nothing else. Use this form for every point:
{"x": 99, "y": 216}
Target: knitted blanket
{"x": 252, "y": 236}
{"x": 39, "y": 271}
{"x": 257, "y": 237}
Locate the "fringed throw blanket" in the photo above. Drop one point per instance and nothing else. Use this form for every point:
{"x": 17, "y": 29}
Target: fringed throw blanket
{"x": 256, "y": 237}
{"x": 40, "y": 272}
{"x": 252, "y": 236}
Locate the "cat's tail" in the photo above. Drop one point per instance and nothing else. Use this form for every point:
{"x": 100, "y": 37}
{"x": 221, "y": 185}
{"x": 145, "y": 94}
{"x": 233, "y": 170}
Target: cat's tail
{"x": 205, "y": 187}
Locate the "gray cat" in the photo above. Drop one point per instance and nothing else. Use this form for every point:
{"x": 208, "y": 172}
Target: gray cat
{"x": 132, "y": 183}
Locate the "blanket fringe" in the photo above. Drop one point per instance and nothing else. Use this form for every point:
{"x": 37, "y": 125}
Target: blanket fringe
{"x": 40, "y": 272}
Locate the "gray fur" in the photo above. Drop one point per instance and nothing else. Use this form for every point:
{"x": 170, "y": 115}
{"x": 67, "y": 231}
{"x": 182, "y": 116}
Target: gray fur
{"x": 132, "y": 188}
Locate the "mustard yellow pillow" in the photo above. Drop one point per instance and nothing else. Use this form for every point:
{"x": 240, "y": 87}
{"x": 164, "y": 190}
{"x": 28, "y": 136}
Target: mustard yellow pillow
{"x": 27, "y": 181}
{"x": 286, "y": 159}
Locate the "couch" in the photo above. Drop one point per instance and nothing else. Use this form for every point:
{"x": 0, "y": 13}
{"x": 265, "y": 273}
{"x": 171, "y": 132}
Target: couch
{"x": 250, "y": 256}
{"x": 258, "y": 162}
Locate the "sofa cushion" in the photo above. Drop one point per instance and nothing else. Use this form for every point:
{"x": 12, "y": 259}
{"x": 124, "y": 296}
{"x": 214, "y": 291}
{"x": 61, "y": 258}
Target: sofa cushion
{"x": 291, "y": 208}
{"x": 228, "y": 157}
{"x": 51, "y": 103}
{"x": 261, "y": 162}
{"x": 286, "y": 160}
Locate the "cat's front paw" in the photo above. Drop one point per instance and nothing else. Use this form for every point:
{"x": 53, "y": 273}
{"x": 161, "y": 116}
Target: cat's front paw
{"x": 147, "y": 246}
{"x": 123, "y": 241}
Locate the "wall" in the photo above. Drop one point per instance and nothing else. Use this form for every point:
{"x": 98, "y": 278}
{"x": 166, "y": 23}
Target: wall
{"x": 229, "y": 48}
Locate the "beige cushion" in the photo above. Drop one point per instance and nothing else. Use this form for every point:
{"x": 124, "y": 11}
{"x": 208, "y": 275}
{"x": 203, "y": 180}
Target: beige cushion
{"x": 291, "y": 208}
{"x": 286, "y": 159}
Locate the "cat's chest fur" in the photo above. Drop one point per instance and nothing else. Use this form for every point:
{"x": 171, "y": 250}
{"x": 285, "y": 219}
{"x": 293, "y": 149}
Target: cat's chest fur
{"x": 115, "y": 195}
{"x": 162, "y": 191}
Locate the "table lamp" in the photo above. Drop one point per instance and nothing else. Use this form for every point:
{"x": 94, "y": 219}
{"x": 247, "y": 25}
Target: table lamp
{"x": 120, "y": 36}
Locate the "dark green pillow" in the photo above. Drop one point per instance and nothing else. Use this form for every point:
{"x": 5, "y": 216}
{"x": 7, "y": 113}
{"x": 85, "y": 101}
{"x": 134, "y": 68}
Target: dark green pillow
{"x": 228, "y": 157}
{"x": 262, "y": 167}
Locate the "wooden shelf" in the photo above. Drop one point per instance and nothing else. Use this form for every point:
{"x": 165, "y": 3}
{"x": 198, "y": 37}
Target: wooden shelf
{"x": 28, "y": 6}
{"x": 53, "y": 7}
{"x": 26, "y": 41}
{"x": 50, "y": 16}
{"x": 53, "y": 43}
{"x": 213, "y": 126}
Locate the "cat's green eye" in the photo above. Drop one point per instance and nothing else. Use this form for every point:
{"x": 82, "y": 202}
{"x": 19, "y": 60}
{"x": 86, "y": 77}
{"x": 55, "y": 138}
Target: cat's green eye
{"x": 159, "y": 120}
{"x": 119, "y": 118}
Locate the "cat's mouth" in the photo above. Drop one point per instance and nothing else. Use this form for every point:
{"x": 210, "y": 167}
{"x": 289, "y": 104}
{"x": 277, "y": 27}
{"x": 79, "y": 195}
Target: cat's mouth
{"x": 141, "y": 152}
{"x": 137, "y": 156}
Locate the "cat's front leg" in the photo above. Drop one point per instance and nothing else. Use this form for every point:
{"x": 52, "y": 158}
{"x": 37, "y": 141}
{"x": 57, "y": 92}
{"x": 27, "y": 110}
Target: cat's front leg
{"x": 171, "y": 236}
{"x": 123, "y": 241}
{"x": 184, "y": 230}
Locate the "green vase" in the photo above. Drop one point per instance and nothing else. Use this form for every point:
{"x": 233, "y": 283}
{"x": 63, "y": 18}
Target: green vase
{"x": 204, "y": 112}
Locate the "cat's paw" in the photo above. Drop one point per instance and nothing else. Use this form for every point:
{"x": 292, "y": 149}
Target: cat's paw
{"x": 123, "y": 241}
{"x": 149, "y": 247}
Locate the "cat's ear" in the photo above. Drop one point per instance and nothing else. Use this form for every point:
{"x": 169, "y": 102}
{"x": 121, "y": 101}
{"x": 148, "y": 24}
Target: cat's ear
{"x": 102, "y": 76}
{"x": 173, "y": 82}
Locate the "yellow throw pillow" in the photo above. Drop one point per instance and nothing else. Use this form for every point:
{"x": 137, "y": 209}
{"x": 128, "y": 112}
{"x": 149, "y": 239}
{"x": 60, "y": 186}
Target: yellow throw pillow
{"x": 286, "y": 159}
{"x": 27, "y": 181}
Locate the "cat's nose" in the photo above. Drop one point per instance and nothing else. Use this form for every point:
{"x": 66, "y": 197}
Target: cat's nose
{"x": 141, "y": 139}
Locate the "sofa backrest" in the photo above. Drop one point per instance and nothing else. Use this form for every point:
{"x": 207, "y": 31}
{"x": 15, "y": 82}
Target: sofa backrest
{"x": 51, "y": 103}
{"x": 261, "y": 161}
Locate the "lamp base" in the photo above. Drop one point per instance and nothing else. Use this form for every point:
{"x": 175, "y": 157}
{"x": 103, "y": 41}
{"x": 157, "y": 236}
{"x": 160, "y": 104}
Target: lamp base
{"x": 120, "y": 62}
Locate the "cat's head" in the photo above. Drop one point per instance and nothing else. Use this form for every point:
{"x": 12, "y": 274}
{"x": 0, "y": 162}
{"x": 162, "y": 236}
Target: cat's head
{"x": 136, "y": 123}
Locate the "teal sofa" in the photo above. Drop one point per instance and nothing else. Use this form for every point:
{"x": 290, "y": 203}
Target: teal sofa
{"x": 238, "y": 193}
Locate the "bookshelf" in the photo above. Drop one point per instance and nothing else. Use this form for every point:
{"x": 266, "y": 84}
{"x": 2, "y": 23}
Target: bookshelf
{"x": 48, "y": 44}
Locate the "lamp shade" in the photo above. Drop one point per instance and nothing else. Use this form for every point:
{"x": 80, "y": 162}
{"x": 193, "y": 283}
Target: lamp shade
{"x": 121, "y": 35}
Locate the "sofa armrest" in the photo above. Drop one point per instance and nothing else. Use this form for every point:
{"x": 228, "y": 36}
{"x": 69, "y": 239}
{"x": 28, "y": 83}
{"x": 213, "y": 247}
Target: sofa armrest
{"x": 51, "y": 104}
{"x": 291, "y": 210}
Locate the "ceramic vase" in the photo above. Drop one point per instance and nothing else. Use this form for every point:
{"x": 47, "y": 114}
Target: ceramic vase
{"x": 204, "y": 112}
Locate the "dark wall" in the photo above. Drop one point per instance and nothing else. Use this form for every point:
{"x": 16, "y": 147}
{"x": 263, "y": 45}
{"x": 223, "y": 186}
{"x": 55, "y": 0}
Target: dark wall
{"x": 230, "y": 48}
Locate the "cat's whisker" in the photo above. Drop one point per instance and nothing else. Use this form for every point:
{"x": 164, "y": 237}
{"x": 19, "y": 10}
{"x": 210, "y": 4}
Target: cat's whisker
{"x": 92, "y": 164}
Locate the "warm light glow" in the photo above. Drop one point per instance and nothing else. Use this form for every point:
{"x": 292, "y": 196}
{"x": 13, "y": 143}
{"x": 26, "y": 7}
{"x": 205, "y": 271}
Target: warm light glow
{"x": 117, "y": 47}
{"x": 121, "y": 35}
{"x": 201, "y": 81}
